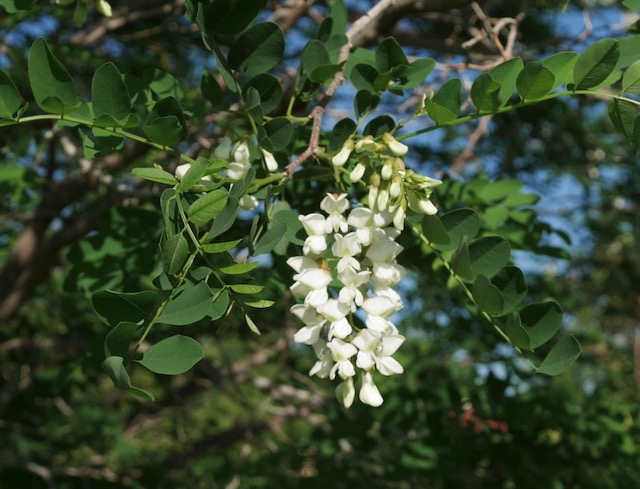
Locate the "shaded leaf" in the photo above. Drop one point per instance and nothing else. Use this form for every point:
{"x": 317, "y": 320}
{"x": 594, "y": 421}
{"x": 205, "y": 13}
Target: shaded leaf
{"x": 488, "y": 255}
{"x": 174, "y": 253}
{"x": 542, "y": 320}
{"x": 189, "y": 306}
{"x": 258, "y": 50}
{"x": 595, "y": 64}
{"x": 561, "y": 357}
{"x": 172, "y": 356}
{"x": 109, "y": 95}
{"x": 115, "y": 307}
{"x": 114, "y": 367}
{"x": 119, "y": 339}
{"x": 10, "y": 99}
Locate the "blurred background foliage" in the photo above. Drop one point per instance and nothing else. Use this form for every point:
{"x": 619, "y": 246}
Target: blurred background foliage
{"x": 466, "y": 413}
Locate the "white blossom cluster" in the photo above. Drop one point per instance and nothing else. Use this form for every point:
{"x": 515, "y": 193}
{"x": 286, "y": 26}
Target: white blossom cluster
{"x": 349, "y": 265}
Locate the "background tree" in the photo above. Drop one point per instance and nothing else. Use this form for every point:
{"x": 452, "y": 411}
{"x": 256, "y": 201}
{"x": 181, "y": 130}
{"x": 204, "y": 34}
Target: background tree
{"x": 467, "y": 412}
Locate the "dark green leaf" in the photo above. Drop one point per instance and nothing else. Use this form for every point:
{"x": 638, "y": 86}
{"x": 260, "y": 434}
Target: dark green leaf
{"x": 225, "y": 219}
{"x": 194, "y": 174}
{"x": 511, "y": 283}
{"x": 52, "y": 86}
{"x": 389, "y": 54}
{"x": 445, "y": 104}
{"x": 269, "y": 90}
{"x": 232, "y": 16}
{"x": 542, "y": 321}
{"x": 212, "y": 92}
{"x": 487, "y": 296}
{"x": 175, "y": 253}
{"x": 116, "y": 307}
{"x": 561, "y": 357}
{"x": 460, "y": 261}
{"x": 190, "y": 306}
{"x": 535, "y": 81}
{"x": 488, "y": 255}
{"x": 624, "y": 114}
{"x": 10, "y": 99}
{"x": 119, "y": 339}
{"x": 434, "y": 230}
{"x": 314, "y": 54}
{"x": 258, "y": 50}
{"x": 416, "y": 74}
{"x": 363, "y": 77}
{"x": 109, "y": 94}
{"x": 506, "y": 75}
{"x": 365, "y": 102}
{"x": 485, "y": 93}
{"x": 219, "y": 305}
{"x": 379, "y": 125}
{"x": 595, "y": 64}
{"x": 342, "y": 131}
{"x": 114, "y": 367}
{"x": 172, "y": 356}
{"x": 221, "y": 247}
{"x": 631, "y": 78}
{"x": 166, "y": 124}
{"x": 516, "y": 332}
{"x": 279, "y": 132}
{"x": 270, "y": 239}
{"x": 459, "y": 223}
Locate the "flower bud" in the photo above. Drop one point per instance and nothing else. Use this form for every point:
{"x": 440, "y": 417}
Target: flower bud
{"x": 373, "y": 197}
{"x": 241, "y": 154}
{"x": 181, "y": 170}
{"x": 396, "y": 147}
{"x": 270, "y": 161}
{"x": 398, "y": 218}
{"x": 104, "y": 8}
{"x": 343, "y": 155}
{"x": 427, "y": 207}
{"x": 357, "y": 173}
{"x": 366, "y": 144}
{"x": 383, "y": 199}
{"x": 395, "y": 189}
{"x": 387, "y": 170}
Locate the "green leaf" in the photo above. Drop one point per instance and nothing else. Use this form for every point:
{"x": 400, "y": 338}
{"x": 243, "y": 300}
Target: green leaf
{"x": 114, "y": 367}
{"x": 261, "y": 304}
{"x": 166, "y": 124}
{"x": 495, "y": 191}
{"x": 10, "y": 99}
{"x": 561, "y": 67}
{"x": 175, "y": 253}
{"x": 269, "y": 240}
{"x": 239, "y": 268}
{"x": 258, "y": 50}
{"x": 246, "y": 288}
{"x": 418, "y": 71}
{"x": 624, "y": 114}
{"x": 163, "y": 84}
{"x": 155, "y": 175}
{"x": 343, "y": 130}
{"x": 631, "y": 78}
{"x": 189, "y": 306}
{"x": 365, "y": 102}
{"x": 251, "y": 324}
{"x": 219, "y": 305}
{"x": 379, "y": 125}
{"x": 595, "y": 64}
{"x": 208, "y": 207}
{"x": 488, "y": 255}
{"x": 511, "y": 283}
{"x": 119, "y": 339}
{"x": 278, "y": 133}
{"x": 434, "y": 230}
{"x": 485, "y": 93}
{"x": 445, "y": 104}
{"x": 535, "y": 81}
{"x": 220, "y": 247}
{"x": 141, "y": 393}
{"x": 269, "y": 90}
{"x": 389, "y": 54}
{"x": 225, "y": 219}
{"x": 314, "y": 55}
{"x": 561, "y": 357}
{"x": 194, "y": 174}
{"x": 460, "y": 261}
{"x": 13, "y": 6}
{"x": 232, "y": 16}
{"x": 363, "y": 77}
{"x": 212, "y": 92}
{"x": 115, "y": 307}
{"x": 487, "y": 296}
{"x": 516, "y": 333}
{"x": 632, "y": 4}
{"x": 322, "y": 73}
{"x": 109, "y": 95}
{"x": 459, "y": 223}
{"x": 506, "y": 75}
{"x": 52, "y": 86}
{"x": 542, "y": 321}
{"x": 172, "y": 356}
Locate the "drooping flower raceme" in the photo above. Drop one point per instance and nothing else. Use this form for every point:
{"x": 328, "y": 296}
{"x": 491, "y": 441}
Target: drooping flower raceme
{"x": 347, "y": 271}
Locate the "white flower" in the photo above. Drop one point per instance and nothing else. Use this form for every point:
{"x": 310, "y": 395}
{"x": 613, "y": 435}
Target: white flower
{"x": 242, "y": 154}
{"x": 377, "y": 350}
{"x": 335, "y": 312}
{"x": 313, "y": 322}
{"x": 248, "y": 202}
{"x": 335, "y": 205}
{"x": 380, "y": 305}
{"x": 345, "y": 248}
{"x": 323, "y": 366}
{"x": 342, "y": 352}
{"x": 396, "y": 147}
{"x": 346, "y": 392}
{"x": 316, "y": 242}
{"x": 181, "y": 170}
{"x": 223, "y": 150}
{"x": 390, "y": 294}
{"x": 383, "y": 250}
{"x": 398, "y": 218}
{"x": 367, "y": 144}
{"x": 343, "y": 155}
{"x": 369, "y": 393}
{"x": 237, "y": 170}
{"x": 357, "y": 173}
{"x": 388, "y": 274}
{"x": 270, "y": 161}
{"x": 351, "y": 294}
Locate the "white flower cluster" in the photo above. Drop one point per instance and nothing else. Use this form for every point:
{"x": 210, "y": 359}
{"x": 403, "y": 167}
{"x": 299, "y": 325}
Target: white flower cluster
{"x": 349, "y": 265}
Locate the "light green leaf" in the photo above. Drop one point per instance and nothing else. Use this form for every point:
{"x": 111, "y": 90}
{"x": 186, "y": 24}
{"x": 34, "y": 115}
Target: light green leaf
{"x": 172, "y": 356}
{"x": 506, "y": 75}
{"x": 251, "y": 324}
{"x": 220, "y": 304}
{"x": 115, "y": 307}
{"x": 542, "y": 321}
{"x": 220, "y": 247}
{"x": 155, "y": 175}
{"x": 445, "y": 104}
{"x": 561, "y": 67}
{"x": 631, "y": 78}
{"x": 109, "y": 95}
{"x": 485, "y": 93}
{"x": 114, "y": 367}
{"x": 314, "y": 54}
{"x": 561, "y": 357}
{"x": 246, "y": 288}
{"x": 258, "y": 50}
{"x": 624, "y": 114}
{"x": 208, "y": 207}
{"x": 52, "y": 86}
{"x": 189, "y": 306}
{"x": 535, "y": 81}
{"x": 416, "y": 74}
{"x": 261, "y": 304}
{"x": 174, "y": 253}
{"x": 595, "y": 64}
{"x": 119, "y": 339}
{"x": 239, "y": 268}
{"x": 10, "y": 99}
{"x": 194, "y": 174}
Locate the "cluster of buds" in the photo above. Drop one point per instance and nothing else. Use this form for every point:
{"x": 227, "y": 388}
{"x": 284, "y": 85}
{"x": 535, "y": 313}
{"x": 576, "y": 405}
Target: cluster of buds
{"x": 346, "y": 276}
{"x": 239, "y": 158}
{"x": 392, "y": 187}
